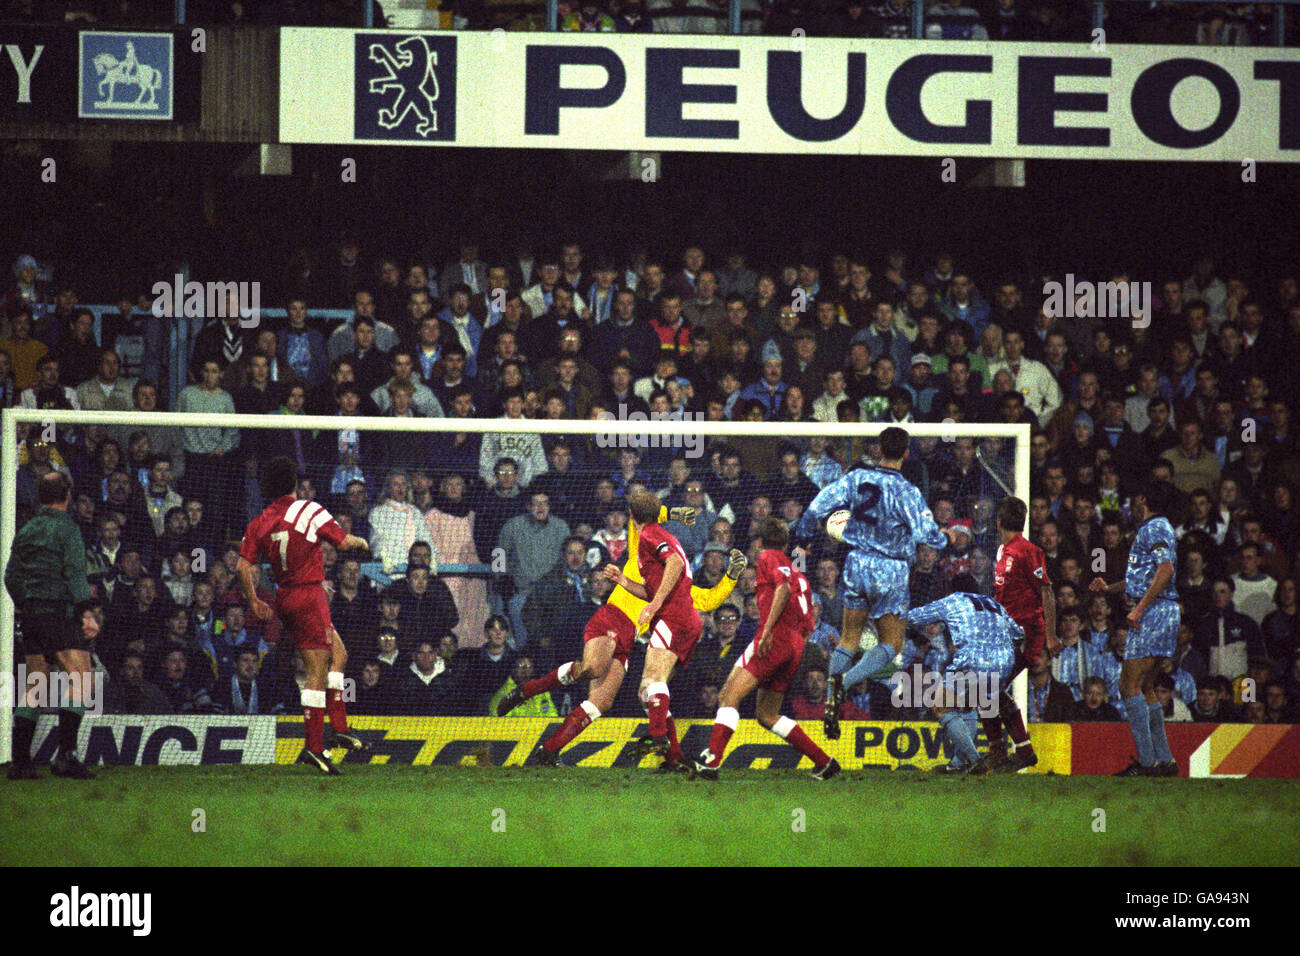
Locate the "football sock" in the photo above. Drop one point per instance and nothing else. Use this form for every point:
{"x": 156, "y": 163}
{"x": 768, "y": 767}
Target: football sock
{"x": 549, "y": 681}
{"x": 1014, "y": 722}
{"x": 993, "y": 731}
{"x": 959, "y": 732}
{"x": 69, "y": 724}
{"x": 841, "y": 660}
{"x": 24, "y": 733}
{"x": 724, "y": 725}
{"x": 674, "y": 746}
{"x": 334, "y": 702}
{"x": 793, "y": 734}
{"x": 1159, "y": 742}
{"x": 313, "y": 707}
{"x": 871, "y": 662}
{"x": 657, "y": 706}
{"x": 579, "y": 719}
{"x": 1139, "y": 719}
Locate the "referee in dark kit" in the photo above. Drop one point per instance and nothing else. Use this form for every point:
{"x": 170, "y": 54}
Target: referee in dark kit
{"x": 46, "y": 577}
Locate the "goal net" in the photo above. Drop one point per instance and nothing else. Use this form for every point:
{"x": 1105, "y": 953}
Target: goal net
{"x": 487, "y": 538}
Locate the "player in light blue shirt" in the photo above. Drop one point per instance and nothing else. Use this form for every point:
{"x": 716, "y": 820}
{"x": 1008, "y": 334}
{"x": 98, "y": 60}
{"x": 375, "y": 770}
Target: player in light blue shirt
{"x": 889, "y": 518}
{"x": 984, "y": 638}
{"x": 1153, "y": 627}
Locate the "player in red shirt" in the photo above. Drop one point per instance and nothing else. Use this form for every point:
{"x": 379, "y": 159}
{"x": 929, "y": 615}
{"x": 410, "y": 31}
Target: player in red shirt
{"x": 670, "y": 616}
{"x": 288, "y": 535}
{"x": 1021, "y": 585}
{"x": 772, "y": 659}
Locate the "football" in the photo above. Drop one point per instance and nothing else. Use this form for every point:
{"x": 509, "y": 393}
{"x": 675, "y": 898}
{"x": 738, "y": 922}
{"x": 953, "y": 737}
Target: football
{"x": 835, "y": 524}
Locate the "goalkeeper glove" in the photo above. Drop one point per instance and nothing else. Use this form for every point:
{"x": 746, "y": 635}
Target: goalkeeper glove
{"x": 736, "y": 564}
{"x": 684, "y": 514}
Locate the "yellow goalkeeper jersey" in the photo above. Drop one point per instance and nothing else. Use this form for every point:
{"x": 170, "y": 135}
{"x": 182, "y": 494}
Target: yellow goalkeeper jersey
{"x": 704, "y": 599}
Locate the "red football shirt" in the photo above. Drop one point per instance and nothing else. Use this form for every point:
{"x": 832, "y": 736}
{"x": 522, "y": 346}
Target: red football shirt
{"x": 652, "y": 551}
{"x": 774, "y": 569}
{"x": 287, "y": 535}
{"x": 1018, "y": 580}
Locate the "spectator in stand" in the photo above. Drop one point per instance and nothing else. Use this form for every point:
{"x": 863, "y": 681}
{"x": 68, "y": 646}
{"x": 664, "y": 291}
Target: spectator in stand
{"x": 354, "y": 605}
{"x": 468, "y": 332}
{"x": 342, "y": 340}
{"x": 487, "y": 669}
{"x": 370, "y": 365}
{"x": 721, "y": 644}
{"x": 468, "y": 269}
{"x": 48, "y": 392}
{"x": 963, "y": 303}
{"x": 403, "y": 369}
{"x": 1094, "y": 706}
{"x": 208, "y": 449}
{"x": 1193, "y": 466}
{"x": 1253, "y": 590}
{"x": 883, "y": 339}
{"x": 1210, "y": 706}
{"x": 129, "y": 693}
{"x": 424, "y": 688}
{"x": 553, "y": 597}
{"x": 396, "y": 524}
{"x": 1175, "y": 709}
{"x": 1281, "y": 628}
{"x": 1050, "y": 701}
{"x": 531, "y": 545}
{"x": 451, "y": 521}
{"x": 302, "y": 348}
{"x": 704, "y": 309}
{"x": 1279, "y": 708}
{"x": 1225, "y": 637}
{"x": 770, "y": 390}
{"x": 24, "y": 351}
{"x": 245, "y": 691}
{"x": 427, "y": 607}
{"x": 524, "y": 449}
{"x": 624, "y": 336}
{"x": 106, "y": 391}
{"x": 495, "y": 504}
{"x": 671, "y": 326}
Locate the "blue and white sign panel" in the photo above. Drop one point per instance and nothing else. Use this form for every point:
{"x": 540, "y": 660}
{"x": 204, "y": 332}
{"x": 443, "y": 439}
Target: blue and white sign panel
{"x": 405, "y": 87}
{"x": 126, "y": 76}
{"x": 777, "y": 95}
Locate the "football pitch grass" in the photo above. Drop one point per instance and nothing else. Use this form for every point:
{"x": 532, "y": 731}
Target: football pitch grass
{"x": 513, "y": 816}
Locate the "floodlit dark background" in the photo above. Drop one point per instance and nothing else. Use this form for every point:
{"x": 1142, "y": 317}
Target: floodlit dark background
{"x": 117, "y": 212}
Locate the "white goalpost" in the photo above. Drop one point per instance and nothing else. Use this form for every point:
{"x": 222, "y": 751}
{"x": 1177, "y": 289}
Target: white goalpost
{"x": 610, "y": 433}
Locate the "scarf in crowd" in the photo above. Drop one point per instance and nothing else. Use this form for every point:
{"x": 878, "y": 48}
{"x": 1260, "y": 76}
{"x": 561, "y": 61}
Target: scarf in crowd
{"x": 232, "y": 343}
{"x": 457, "y": 509}
{"x": 600, "y": 308}
{"x": 237, "y": 702}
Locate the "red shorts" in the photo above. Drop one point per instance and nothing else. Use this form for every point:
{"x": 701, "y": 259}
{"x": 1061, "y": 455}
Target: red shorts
{"x": 306, "y": 614}
{"x": 776, "y": 669}
{"x": 678, "y": 634}
{"x": 1035, "y": 641}
{"x": 610, "y": 620}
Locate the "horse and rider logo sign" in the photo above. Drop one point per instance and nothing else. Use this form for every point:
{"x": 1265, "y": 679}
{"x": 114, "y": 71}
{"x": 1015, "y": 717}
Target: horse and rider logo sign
{"x": 405, "y": 87}
{"x": 126, "y": 76}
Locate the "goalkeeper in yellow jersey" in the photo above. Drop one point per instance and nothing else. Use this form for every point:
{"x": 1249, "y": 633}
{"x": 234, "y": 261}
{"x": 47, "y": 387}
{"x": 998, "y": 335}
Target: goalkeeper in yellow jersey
{"x": 607, "y": 642}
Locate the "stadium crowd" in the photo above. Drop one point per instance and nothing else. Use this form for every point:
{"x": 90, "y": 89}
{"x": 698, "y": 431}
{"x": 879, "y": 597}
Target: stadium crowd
{"x": 486, "y": 548}
{"x": 1024, "y": 20}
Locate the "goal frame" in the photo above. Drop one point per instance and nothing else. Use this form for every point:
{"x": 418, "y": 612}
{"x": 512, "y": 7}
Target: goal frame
{"x": 14, "y": 417}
